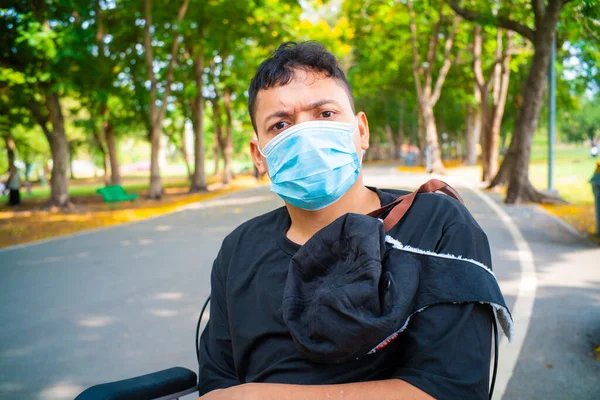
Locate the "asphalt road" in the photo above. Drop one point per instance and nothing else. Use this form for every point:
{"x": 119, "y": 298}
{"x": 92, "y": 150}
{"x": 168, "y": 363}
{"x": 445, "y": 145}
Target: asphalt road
{"x": 124, "y": 301}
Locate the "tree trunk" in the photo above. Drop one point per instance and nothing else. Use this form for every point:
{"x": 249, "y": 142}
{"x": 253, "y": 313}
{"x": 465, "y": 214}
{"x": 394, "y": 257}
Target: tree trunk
{"x": 100, "y": 145}
{"x": 184, "y": 153}
{"x": 473, "y": 134}
{"x": 10, "y": 152}
{"x": 199, "y": 178}
{"x": 401, "y": 129}
{"x": 71, "y": 172}
{"x": 389, "y": 136}
{"x": 59, "y": 147}
{"x": 155, "y": 188}
{"x": 482, "y": 98}
{"x": 500, "y": 93}
{"x": 228, "y": 142}
{"x": 421, "y": 137}
{"x": 431, "y": 139}
{"x": 217, "y": 124}
{"x": 217, "y": 157}
{"x": 155, "y": 113}
{"x": 111, "y": 142}
{"x": 515, "y": 167}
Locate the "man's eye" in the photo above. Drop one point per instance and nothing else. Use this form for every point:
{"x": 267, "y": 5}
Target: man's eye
{"x": 327, "y": 114}
{"x": 279, "y": 126}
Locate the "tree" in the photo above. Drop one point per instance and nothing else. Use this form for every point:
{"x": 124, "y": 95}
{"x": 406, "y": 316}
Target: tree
{"x": 31, "y": 49}
{"x": 101, "y": 92}
{"x": 473, "y": 128}
{"x": 515, "y": 167}
{"x": 492, "y": 107}
{"x": 156, "y": 114}
{"x": 429, "y": 93}
{"x": 380, "y": 71}
{"x": 198, "y": 179}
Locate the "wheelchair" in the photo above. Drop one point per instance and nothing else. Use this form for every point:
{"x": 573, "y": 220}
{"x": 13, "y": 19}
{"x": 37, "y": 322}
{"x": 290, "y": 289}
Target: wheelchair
{"x": 168, "y": 384}
{"x": 175, "y": 382}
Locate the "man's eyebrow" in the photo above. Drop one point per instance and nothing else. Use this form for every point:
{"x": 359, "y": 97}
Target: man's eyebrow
{"x": 311, "y": 106}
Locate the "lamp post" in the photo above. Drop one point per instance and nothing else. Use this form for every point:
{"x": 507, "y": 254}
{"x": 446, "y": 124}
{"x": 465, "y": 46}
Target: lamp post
{"x": 552, "y": 115}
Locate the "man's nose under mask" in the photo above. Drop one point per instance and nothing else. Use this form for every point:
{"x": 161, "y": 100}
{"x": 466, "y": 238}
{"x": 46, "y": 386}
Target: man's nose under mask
{"x": 313, "y": 164}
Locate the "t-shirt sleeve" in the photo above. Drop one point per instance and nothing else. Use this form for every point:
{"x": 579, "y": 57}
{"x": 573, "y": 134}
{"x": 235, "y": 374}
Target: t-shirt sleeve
{"x": 216, "y": 370}
{"x": 448, "y": 346}
{"x": 466, "y": 240}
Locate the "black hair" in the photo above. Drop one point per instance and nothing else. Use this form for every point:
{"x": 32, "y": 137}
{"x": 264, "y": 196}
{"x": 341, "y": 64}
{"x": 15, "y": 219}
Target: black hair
{"x": 279, "y": 69}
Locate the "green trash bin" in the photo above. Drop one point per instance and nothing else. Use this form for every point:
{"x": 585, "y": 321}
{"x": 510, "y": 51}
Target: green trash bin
{"x": 595, "y": 181}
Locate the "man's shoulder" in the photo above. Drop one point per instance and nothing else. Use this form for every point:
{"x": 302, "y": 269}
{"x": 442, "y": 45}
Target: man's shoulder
{"x": 257, "y": 227}
{"x": 452, "y": 210}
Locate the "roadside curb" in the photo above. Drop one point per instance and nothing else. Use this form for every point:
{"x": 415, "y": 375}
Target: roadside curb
{"x": 95, "y": 230}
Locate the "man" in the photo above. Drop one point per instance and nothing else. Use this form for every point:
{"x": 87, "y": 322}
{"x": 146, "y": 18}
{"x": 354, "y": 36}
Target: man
{"x": 310, "y": 142}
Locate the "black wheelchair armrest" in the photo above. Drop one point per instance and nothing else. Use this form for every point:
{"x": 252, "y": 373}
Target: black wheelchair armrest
{"x": 167, "y": 384}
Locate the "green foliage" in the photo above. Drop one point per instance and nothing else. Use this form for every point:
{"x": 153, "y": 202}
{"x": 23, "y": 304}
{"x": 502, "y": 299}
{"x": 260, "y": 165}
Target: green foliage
{"x": 91, "y": 52}
{"x": 583, "y": 123}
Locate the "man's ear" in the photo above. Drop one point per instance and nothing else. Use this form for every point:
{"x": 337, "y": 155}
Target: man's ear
{"x": 259, "y": 161}
{"x": 363, "y": 130}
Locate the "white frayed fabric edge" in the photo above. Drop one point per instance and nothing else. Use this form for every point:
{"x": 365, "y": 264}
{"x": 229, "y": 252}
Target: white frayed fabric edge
{"x": 398, "y": 245}
{"x": 501, "y": 313}
{"x": 505, "y": 320}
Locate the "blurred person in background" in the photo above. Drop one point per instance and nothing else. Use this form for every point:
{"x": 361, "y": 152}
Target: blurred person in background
{"x": 14, "y": 185}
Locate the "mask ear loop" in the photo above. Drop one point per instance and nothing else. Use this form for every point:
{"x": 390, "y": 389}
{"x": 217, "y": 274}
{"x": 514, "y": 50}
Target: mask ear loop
{"x": 258, "y": 147}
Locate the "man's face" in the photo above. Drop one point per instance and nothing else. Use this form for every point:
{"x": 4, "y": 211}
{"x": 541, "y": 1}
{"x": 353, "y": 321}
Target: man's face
{"x": 309, "y": 96}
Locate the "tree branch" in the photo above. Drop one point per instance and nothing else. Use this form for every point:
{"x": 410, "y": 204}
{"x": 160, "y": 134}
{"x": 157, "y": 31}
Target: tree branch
{"x": 496, "y": 75}
{"x": 433, "y": 41}
{"x": 149, "y": 57}
{"x": 173, "y": 55}
{"x": 500, "y": 22}
{"x": 477, "y": 70}
{"x": 42, "y": 120}
{"x": 415, "y": 49}
{"x": 447, "y": 62}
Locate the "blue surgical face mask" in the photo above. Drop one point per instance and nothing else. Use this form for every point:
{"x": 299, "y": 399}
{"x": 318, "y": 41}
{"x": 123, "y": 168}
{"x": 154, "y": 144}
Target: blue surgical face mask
{"x": 313, "y": 164}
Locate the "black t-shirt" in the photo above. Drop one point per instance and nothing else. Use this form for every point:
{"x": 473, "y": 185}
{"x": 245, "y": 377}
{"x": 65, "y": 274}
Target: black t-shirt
{"x": 445, "y": 350}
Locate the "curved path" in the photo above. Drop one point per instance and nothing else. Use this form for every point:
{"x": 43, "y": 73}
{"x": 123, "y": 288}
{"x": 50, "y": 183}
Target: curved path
{"x": 123, "y": 301}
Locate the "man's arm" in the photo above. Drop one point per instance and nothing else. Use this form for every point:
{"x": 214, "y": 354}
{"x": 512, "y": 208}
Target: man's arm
{"x": 216, "y": 370}
{"x": 376, "y": 390}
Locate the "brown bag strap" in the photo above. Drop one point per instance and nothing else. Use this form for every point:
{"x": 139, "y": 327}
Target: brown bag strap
{"x": 400, "y": 206}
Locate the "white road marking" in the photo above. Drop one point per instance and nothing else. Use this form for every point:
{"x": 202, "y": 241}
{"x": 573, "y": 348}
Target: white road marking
{"x": 523, "y": 307}
{"x": 525, "y": 297}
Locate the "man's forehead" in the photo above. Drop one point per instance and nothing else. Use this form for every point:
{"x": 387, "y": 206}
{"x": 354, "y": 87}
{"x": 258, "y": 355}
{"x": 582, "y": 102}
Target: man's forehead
{"x": 304, "y": 88}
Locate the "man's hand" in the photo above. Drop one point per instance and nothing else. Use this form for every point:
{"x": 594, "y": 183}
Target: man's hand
{"x": 375, "y": 390}
{"x": 249, "y": 391}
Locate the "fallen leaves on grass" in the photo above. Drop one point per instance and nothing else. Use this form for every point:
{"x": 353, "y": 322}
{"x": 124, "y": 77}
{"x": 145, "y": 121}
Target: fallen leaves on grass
{"x": 18, "y": 227}
{"x": 448, "y": 164}
{"x": 581, "y": 216}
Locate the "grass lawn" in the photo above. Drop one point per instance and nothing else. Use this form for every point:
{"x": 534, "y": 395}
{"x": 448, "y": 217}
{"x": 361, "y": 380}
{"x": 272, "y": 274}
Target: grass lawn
{"x": 88, "y": 187}
{"x": 572, "y": 172}
{"x": 173, "y": 176}
{"x": 573, "y": 168}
